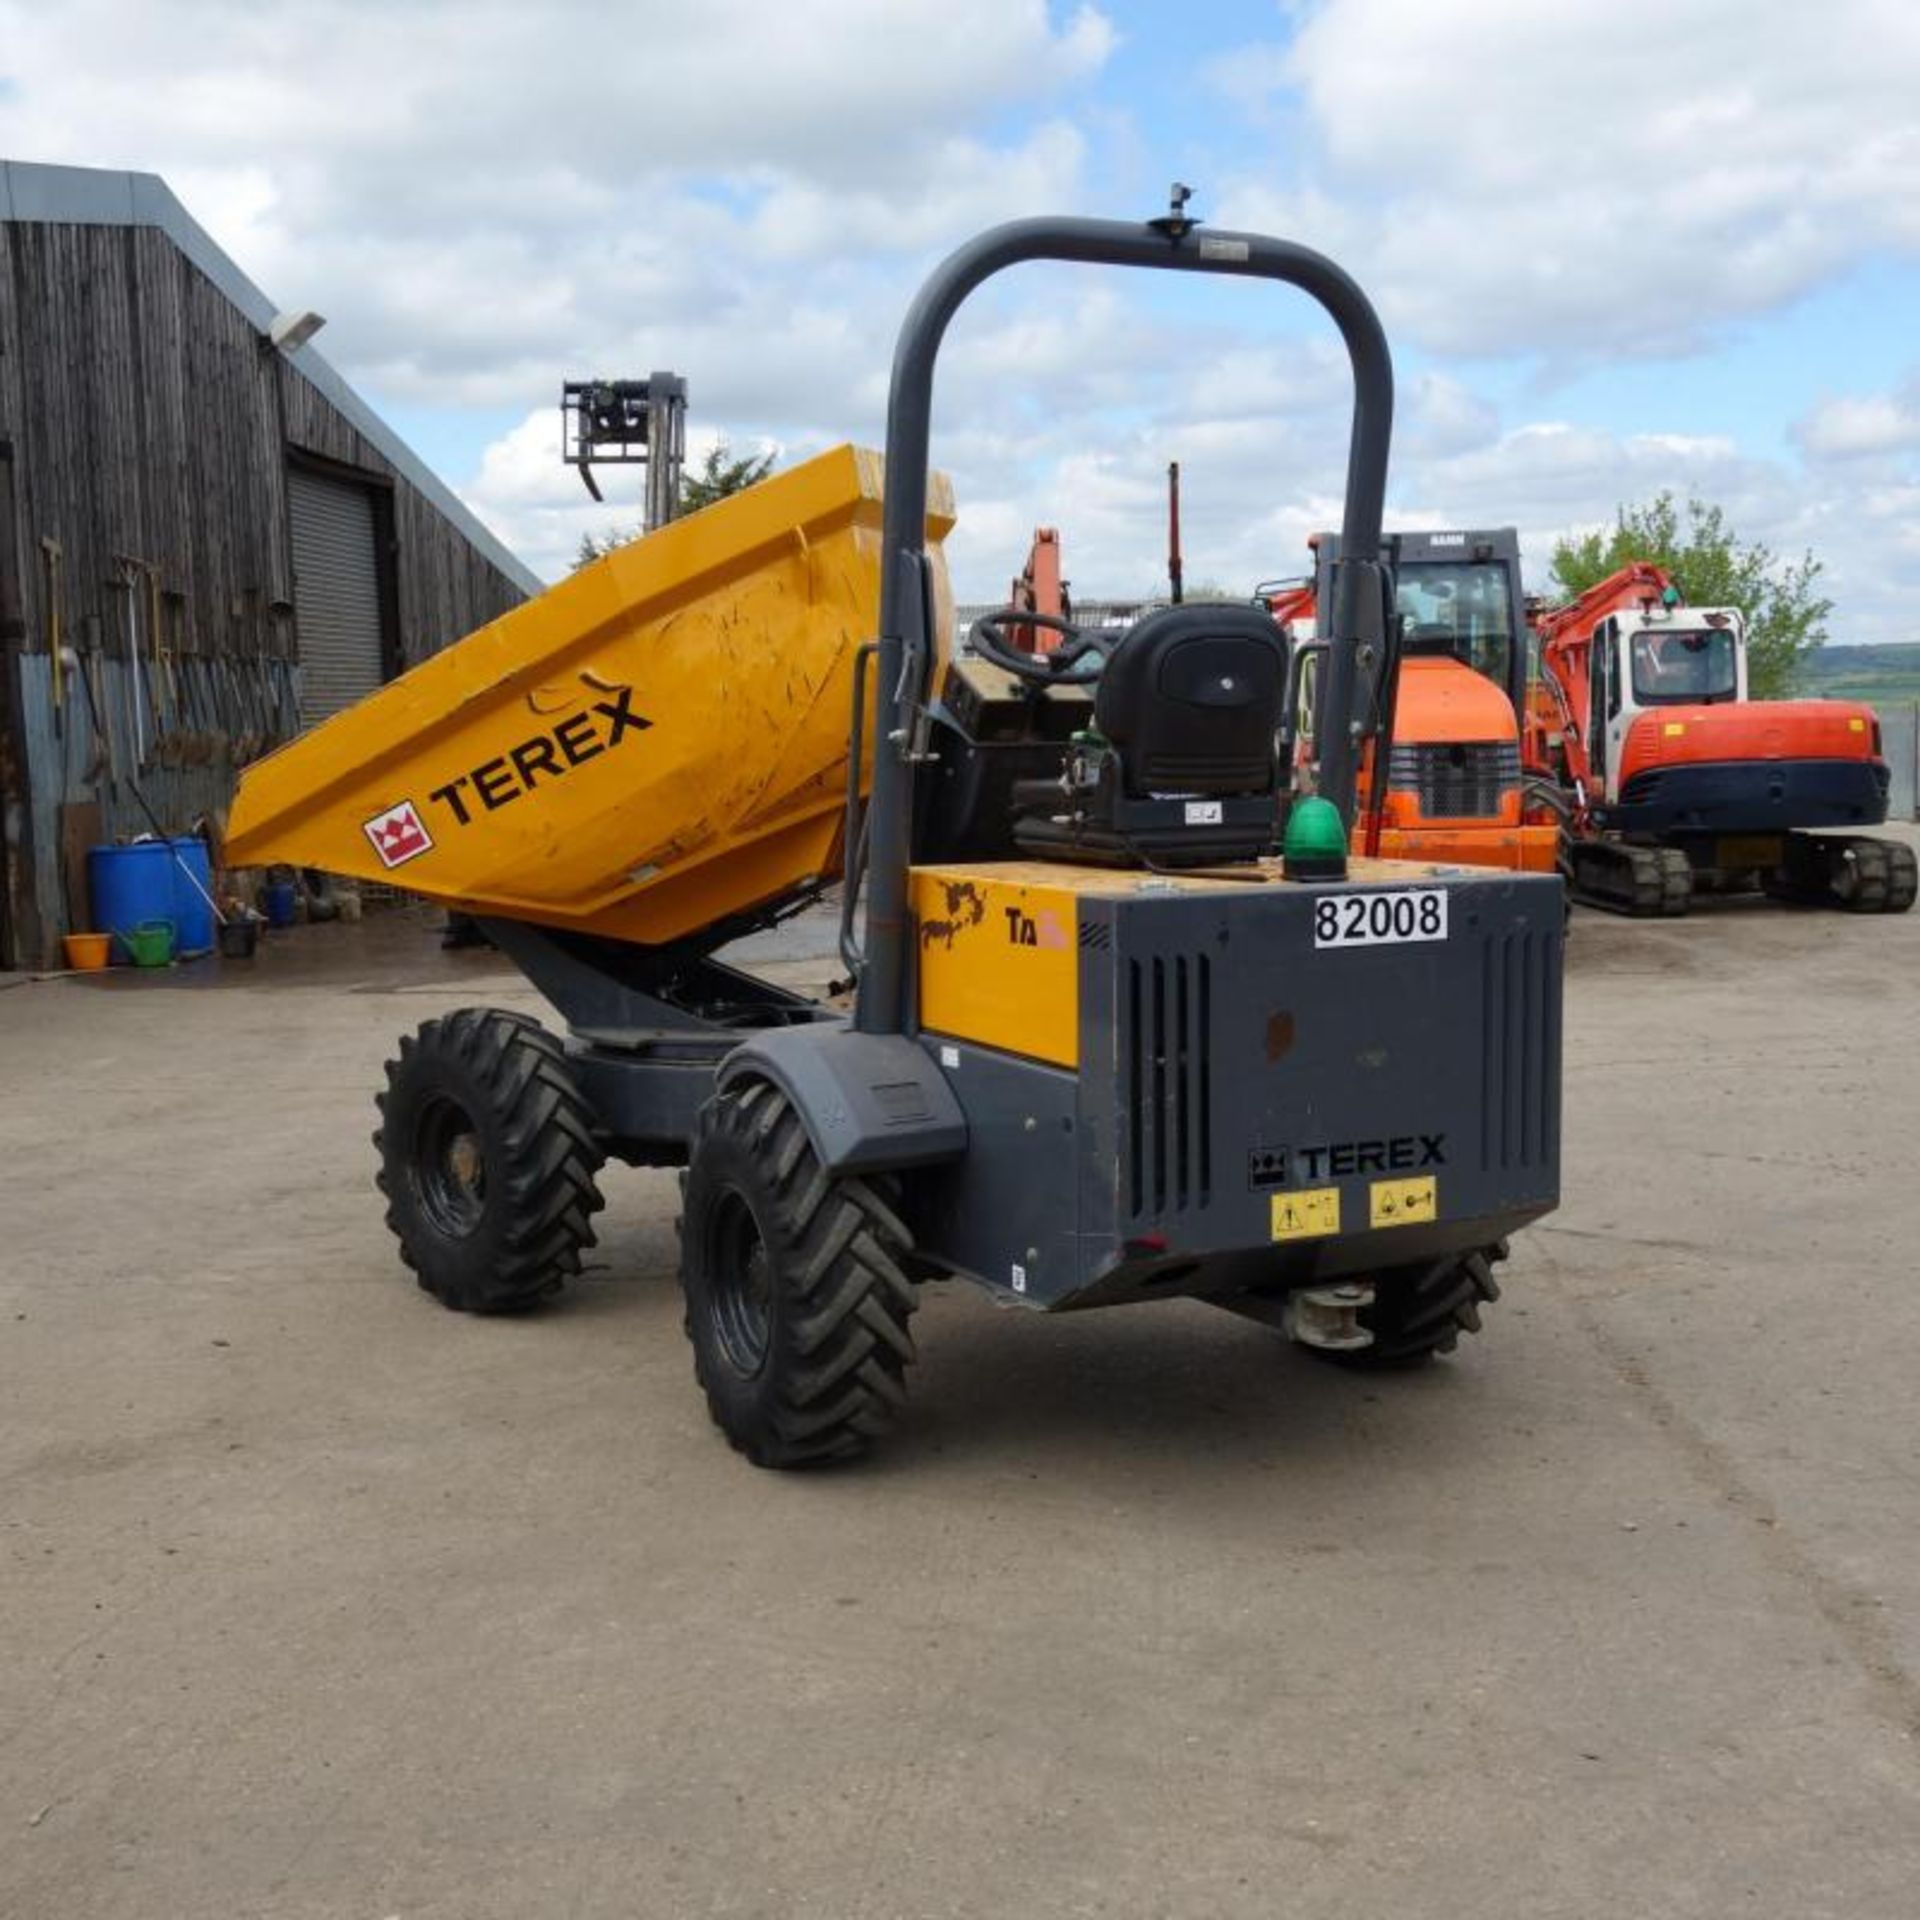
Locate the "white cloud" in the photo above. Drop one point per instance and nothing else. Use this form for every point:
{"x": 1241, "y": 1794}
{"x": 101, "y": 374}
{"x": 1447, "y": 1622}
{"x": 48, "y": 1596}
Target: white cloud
{"x": 393, "y": 94}
{"x": 485, "y": 196}
{"x": 1444, "y": 416}
{"x": 1596, "y": 177}
{"x": 1856, "y": 425}
{"x": 1257, "y": 479}
{"x": 1556, "y": 479}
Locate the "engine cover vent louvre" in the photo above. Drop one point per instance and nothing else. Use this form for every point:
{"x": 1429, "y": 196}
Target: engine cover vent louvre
{"x": 1168, "y": 1069}
{"x": 1520, "y": 1053}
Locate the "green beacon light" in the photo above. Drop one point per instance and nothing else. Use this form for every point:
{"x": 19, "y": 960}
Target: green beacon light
{"x": 1316, "y": 844}
{"x": 1671, "y": 598}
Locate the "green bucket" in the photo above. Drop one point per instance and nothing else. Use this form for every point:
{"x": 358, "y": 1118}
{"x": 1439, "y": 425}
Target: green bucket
{"x": 150, "y": 944}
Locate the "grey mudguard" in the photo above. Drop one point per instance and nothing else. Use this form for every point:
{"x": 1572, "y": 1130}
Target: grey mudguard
{"x": 870, "y": 1101}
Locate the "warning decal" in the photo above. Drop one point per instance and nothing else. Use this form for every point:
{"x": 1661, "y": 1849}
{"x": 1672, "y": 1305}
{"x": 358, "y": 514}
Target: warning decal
{"x": 1306, "y": 1215}
{"x": 1403, "y": 1203}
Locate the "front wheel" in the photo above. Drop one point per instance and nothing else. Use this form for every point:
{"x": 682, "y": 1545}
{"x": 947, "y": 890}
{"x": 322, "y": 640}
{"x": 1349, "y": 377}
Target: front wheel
{"x": 1421, "y": 1311}
{"x": 797, "y": 1299}
{"x": 488, "y": 1161}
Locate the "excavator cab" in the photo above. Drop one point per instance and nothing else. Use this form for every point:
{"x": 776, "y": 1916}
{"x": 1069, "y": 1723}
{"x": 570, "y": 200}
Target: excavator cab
{"x": 1658, "y": 655}
{"x": 1698, "y": 666}
{"x": 1462, "y": 609}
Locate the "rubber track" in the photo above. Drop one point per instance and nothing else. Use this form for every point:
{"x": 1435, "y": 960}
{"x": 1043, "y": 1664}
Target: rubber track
{"x": 553, "y": 1157}
{"x": 1881, "y": 880}
{"x": 847, "y": 1250}
{"x": 1644, "y": 883}
{"x": 1903, "y": 876}
{"x": 1854, "y": 873}
{"x": 1414, "y": 1318}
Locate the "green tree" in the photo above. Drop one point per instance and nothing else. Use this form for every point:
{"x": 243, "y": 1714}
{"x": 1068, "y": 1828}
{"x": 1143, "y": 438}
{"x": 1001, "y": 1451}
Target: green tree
{"x": 1785, "y": 617}
{"x": 596, "y": 546}
{"x": 720, "y": 475}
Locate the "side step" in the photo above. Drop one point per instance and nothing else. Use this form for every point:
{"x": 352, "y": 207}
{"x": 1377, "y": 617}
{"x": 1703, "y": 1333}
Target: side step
{"x": 1645, "y": 883}
{"x": 1850, "y": 871}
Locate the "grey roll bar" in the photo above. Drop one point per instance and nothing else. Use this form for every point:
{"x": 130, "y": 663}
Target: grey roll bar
{"x": 1173, "y": 242}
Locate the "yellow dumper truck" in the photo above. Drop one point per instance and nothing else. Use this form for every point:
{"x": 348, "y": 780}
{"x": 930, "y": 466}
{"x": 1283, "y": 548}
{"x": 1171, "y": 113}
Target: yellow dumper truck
{"x": 1123, "y": 1025}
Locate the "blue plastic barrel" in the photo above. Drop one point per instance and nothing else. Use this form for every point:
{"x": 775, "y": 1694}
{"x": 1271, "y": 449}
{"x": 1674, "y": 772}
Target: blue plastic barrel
{"x": 192, "y": 915}
{"x": 129, "y": 886}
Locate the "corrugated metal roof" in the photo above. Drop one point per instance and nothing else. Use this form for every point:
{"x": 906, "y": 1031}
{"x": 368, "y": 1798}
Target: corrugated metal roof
{"x": 33, "y": 194}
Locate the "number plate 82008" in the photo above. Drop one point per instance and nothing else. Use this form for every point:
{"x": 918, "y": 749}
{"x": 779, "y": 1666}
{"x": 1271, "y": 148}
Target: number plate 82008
{"x": 1380, "y": 919}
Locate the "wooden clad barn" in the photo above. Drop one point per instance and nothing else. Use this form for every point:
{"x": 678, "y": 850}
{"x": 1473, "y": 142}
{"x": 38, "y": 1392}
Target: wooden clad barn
{"x": 207, "y": 539}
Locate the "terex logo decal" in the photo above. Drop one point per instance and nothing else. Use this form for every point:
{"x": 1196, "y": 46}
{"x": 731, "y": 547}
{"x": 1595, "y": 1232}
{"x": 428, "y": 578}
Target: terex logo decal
{"x": 548, "y": 755}
{"x": 398, "y": 835}
{"x": 1343, "y": 1159}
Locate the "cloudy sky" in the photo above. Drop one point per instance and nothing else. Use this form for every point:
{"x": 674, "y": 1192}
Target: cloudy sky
{"x": 1618, "y": 245}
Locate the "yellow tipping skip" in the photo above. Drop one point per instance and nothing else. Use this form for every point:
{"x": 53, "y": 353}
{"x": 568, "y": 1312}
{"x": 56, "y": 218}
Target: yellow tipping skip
{"x": 653, "y": 745}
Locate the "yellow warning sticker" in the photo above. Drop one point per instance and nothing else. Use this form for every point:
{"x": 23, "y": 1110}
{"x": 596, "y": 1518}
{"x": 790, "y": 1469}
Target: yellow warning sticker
{"x": 1674, "y": 729}
{"x": 1308, "y": 1215}
{"x": 1403, "y": 1203}
{"x": 1856, "y": 725}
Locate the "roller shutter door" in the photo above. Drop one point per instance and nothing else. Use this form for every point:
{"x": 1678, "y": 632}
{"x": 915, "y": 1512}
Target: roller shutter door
{"x": 336, "y": 594}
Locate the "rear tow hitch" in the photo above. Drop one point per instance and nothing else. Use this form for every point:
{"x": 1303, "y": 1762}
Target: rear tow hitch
{"x": 1328, "y": 1317}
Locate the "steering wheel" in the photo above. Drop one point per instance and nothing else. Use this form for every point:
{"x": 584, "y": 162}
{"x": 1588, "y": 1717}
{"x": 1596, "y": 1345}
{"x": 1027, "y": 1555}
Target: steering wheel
{"x": 1074, "y": 663}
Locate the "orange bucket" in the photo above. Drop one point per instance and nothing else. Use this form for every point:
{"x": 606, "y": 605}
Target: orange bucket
{"x": 87, "y": 952}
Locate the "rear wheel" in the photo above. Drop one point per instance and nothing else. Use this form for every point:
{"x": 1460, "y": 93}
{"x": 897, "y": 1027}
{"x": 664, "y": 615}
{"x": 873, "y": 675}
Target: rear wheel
{"x": 796, "y": 1292}
{"x": 1422, "y": 1310}
{"x": 487, "y": 1160}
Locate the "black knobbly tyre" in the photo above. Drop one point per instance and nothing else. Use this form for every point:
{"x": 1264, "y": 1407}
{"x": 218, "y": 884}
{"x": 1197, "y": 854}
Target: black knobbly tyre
{"x": 1422, "y": 1310}
{"x": 487, "y": 1160}
{"x": 797, "y": 1297}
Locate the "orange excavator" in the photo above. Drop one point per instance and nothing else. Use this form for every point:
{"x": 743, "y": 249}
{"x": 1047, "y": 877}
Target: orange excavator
{"x": 1674, "y": 779}
{"x": 1454, "y": 788}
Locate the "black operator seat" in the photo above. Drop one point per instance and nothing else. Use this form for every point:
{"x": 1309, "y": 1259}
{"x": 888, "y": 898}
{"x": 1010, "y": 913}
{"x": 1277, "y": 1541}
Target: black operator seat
{"x": 1179, "y": 768}
{"x": 1191, "y": 697}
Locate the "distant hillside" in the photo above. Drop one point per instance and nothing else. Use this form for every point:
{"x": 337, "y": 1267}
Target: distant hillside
{"x": 1883, "y": 676}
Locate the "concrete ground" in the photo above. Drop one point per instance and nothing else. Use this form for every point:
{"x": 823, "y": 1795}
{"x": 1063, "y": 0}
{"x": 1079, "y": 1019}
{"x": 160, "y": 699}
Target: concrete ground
{"x": 320, "y": 1601}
